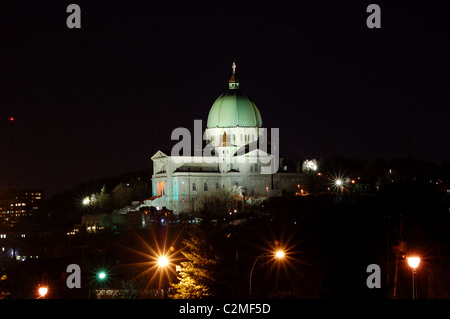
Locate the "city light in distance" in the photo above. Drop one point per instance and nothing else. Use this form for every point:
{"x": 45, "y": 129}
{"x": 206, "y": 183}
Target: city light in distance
{"x": 338, "y": 181}
{"x": 309, "y": 165}
{"x": 86, "y": 201}
{"x": 279, "y": 254}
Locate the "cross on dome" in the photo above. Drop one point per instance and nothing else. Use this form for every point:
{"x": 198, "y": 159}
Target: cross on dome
{"x": 233, "y": 83}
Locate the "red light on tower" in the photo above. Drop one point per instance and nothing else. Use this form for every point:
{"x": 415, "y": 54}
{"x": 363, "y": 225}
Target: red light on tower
{"x": 11, "y": 119}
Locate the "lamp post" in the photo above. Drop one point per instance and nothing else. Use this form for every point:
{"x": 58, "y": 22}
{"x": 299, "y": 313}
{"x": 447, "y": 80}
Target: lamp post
{"x": 278, "y": 255}
{"x": 413, "y": 262}
{"x": 101, "y": 275}
{"x": 163, "y": 262}
{"x": 339, "y": 185}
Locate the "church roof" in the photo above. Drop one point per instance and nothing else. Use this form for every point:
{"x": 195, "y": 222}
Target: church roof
{"x": 196, "y": 168}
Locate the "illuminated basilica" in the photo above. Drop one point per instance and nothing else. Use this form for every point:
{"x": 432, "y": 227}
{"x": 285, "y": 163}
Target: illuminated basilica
{"x": 234, "y": 133}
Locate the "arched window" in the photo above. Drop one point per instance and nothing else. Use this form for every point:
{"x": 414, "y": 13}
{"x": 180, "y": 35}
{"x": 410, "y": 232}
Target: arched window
{"x": 205, "y": 186}
{"x": 194, "y": 188}
{"x": 160, "y": 188}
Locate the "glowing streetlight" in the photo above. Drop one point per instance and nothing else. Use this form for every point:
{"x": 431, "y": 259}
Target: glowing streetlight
{"x": 86, "y": 201}
{"x": 413, "y": 262}
{"x": 163, "y": 261}
{"x": 101, "y": 275}
{"x": 42, "y": 291}
{"x": 163, "y": 264}
{"x": 279, "y": 254}
{"x": 338, "y": 184}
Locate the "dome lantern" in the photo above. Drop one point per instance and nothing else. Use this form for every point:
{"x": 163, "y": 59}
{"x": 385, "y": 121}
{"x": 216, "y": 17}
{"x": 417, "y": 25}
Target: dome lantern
{"x": 233, "y": 83}
{"x": 234, "y": 108}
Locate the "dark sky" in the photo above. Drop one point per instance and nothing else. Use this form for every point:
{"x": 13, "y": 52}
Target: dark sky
{"x": 83, "y": 99}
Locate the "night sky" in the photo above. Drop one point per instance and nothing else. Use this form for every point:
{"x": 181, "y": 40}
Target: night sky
{"x": 83, "y": 99}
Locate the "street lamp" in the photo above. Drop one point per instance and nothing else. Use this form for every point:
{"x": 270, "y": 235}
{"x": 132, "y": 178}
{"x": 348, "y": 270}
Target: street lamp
{"x": 413, "y": 262}
{"x": 42, "y": 292}
{"x": 163, "y": 261}
{"x": 101, "y": 276}
{"x": 277, "y": 255}
{"x": 86, "y": 201}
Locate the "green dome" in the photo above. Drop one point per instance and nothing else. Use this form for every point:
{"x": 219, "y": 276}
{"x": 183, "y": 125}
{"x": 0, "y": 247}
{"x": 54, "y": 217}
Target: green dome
{"x": 234, "y": 108}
